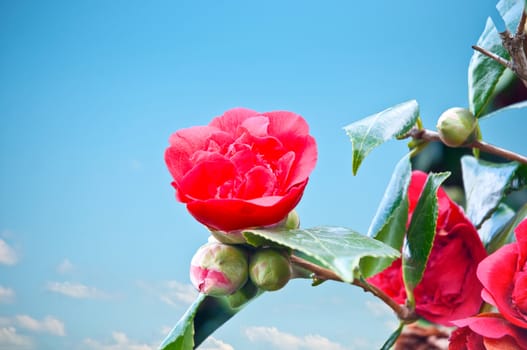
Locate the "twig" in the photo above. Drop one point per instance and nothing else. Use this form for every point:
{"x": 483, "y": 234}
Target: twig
{"x": 495, "y": 57}
{"x": 516, "y": 46}
{"x": 404, "y": 313}
{"x": 429, "y": 135}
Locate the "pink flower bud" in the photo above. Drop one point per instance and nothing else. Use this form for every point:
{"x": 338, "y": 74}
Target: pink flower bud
{"x": 269, "y": 269}
{"x": 218, "y": 269}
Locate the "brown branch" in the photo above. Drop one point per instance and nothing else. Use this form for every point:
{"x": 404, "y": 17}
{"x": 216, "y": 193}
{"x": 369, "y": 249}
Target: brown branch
{"x": 404, "y": 313}
{"x": 516, "y": 46}
{"x": 428, "y": 135}
{"x": 499, "y": 59}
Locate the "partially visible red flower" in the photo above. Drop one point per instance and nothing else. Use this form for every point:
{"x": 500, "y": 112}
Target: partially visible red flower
{"x": 489, "y": 331}
{"x": 504, "y": 278}
{"x": 449, "y": 289}
{"x": 245, "y": 169}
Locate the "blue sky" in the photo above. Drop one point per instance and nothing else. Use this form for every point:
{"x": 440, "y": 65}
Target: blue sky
{"x": 94, "y": 249}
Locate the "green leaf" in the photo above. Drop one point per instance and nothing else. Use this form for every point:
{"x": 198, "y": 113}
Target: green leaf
{"x": 370, "y": 132}
{"x": 393, "y": 337}
{"x": 421, "y": 233}
{"x": 181, "y": 337}
{"x": 202, "y": 318}
{"x": 336, "y": 248}
{"x": 495, "y": 223}
{"x": 389, "y": 223}
{"x": 486, "y": 184}
{"x": 505, "y": 235}
{"x": 483, "y": 72}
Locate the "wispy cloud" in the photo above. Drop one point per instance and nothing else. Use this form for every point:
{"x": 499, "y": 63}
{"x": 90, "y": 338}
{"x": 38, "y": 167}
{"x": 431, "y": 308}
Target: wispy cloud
{"x": 10, "y": 339}
{"x": 286, "y": 341}
{"x": 8, "y": 255}
{"x": 173, "y": 293}
{"x": 65, "y": 267}
{"x": 214, "y": 344}
{"x": 48, "y": 324}
{"x": 76, "y": 290}
{"x": 7, "y": 295}
{"x": 120, "y": 341}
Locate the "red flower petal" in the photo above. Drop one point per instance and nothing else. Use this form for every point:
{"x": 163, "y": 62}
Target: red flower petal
{"x": 237, "y": 214}
{"x": 185, "y": 142}
{"x": 494, "y": 326}
{"x": 496, "y": 273}
{"x": 231, "y": 120}
{"x": 521, "y": 239}
{"x": 207, "y": 178}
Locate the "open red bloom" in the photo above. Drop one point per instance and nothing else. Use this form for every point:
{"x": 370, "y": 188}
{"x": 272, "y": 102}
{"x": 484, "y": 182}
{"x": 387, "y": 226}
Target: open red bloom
{"x": 488, "y": 331}
{"x": 504, "y": 278}
{"x": 449, "y": 289}
{"x": 245, "y": 169}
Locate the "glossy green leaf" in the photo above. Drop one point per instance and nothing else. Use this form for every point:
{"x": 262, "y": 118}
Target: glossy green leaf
{"x": 202, "y": 318}
{"x": 486, "y": 184}
{"x": 495, "y": 223}
{"x": 390, "y": 342}
{"x": 389, "y": 223}
{"x": 370, "y": 132}
{"x": 336, "y": 248}
{"x": 181, "y": 337}
{"x": 505, "y": 235}
{"x": 483, "y": 72}
{"x": 421, "y": 233}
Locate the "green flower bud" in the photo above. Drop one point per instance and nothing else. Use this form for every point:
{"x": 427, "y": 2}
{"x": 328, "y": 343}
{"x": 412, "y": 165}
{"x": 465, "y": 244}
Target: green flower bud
{"x": 218, "y": 269}
{"x": 231, "y": 237}
{"x": 292, "y": 221}
{"x": 457, "y": 127}
{"x": 269, "y": 269}
{"x": 242, "y": 295}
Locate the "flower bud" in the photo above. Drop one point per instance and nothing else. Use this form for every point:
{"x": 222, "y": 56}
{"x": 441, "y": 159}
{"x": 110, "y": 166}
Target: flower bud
{"x": 218, "y": 269}
{"x": 292, "y": 221}
{"x": 231, "y": 237}
{"x": 269, "y": 269}
{"x": 457, "y": 127}
{"x": 242, "y": 295}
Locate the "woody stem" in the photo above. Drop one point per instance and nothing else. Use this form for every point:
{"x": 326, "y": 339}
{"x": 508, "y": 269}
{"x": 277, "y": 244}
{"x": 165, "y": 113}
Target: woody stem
{"x": 320, "y": 274}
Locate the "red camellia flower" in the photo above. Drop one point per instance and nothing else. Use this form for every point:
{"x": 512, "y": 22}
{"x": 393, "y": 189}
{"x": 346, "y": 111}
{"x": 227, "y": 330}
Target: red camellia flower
{"x": 504, "y": 278}
{"x": 245, "y": 169}
{"x": 449, "y": 289}
{"x": 488, "y": 331}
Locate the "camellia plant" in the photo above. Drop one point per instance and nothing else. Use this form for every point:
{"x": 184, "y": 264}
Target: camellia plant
{"x": 457, "y": 268}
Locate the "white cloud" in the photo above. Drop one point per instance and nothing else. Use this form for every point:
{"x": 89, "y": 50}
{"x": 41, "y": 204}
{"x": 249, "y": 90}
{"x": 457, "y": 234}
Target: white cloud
{"x": 214, "y": 344}
{"x": 6, "y": 294}
{"x": 120, "y": 341}
{"x": 10, "y": 339}
{"x": 65, "y": 267}
{"x": 75, "y": 290}
{"x": 49, "y": 324}
{"x": 172, "y": 293}
{"x": 286, "y": 341}
{"x": 8, "y": 255}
